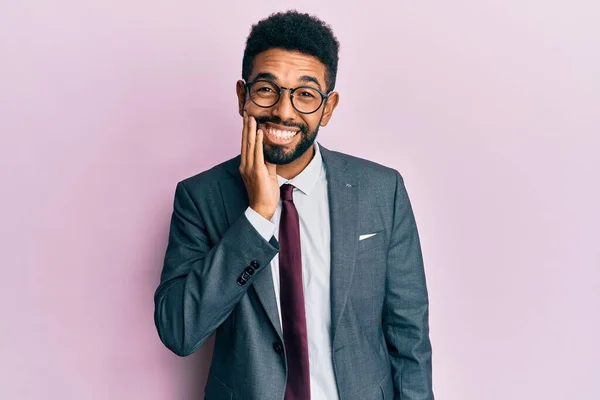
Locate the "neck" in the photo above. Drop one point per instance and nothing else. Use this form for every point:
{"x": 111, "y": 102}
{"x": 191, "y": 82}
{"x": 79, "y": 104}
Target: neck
{"x": 291, "y": 170}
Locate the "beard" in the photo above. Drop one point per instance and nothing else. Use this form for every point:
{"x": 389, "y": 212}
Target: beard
{"x": 276, "y": 154}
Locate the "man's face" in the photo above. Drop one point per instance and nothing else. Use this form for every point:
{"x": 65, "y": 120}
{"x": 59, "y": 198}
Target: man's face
{"x": 288, "y": 134}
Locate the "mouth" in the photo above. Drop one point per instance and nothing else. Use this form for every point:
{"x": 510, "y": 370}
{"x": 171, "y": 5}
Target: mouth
{"x": 278, "y": 134}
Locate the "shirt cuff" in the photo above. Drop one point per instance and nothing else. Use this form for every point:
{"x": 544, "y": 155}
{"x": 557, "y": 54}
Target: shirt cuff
{"x": 265, "y": 227}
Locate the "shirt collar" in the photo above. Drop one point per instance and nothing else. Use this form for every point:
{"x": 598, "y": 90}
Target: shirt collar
{"x": 306, "y": 180}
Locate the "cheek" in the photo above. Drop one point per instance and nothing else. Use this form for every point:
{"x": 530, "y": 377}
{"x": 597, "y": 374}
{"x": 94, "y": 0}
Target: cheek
{"x": 312, "y": 121}
{"x": 256, "y": 111}
{"x": 252, "y": 108}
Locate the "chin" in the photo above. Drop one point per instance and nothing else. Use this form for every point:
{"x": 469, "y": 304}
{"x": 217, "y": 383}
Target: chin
{"x": 287, "y": 153}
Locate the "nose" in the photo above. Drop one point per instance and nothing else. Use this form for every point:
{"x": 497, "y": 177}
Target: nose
{"x": 284, "y": 108}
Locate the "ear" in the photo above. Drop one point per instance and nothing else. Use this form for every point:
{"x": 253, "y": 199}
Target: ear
{"x": 240, "y": 89}
{"x": 330, "y": 105}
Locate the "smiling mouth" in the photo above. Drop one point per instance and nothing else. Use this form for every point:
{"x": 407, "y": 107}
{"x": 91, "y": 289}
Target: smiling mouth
{"x": 279, "y": 134}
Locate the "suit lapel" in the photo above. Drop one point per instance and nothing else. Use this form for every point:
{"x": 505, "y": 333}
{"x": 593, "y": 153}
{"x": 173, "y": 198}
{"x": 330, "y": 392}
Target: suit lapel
{"x": 343, "y": 211}
{"x": 235, "y": 200}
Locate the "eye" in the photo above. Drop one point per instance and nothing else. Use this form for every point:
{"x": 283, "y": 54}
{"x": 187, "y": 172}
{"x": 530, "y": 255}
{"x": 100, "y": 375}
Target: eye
{"x": 307, "y": 93}
{"x": 264, "y": 89}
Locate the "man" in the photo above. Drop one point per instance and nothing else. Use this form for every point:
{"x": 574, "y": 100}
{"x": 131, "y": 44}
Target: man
{"x": 304, "y": 261}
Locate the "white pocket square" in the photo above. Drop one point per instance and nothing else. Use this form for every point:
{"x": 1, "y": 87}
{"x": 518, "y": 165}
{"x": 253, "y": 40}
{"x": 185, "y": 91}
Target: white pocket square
{"x": 363, "y": 237}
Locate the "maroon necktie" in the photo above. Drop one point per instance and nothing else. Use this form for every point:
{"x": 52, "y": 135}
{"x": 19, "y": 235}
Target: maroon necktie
{"x": 293, "y": 314}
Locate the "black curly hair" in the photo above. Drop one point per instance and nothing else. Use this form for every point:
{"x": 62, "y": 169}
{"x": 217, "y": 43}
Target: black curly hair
{"x": 293, "y": 31}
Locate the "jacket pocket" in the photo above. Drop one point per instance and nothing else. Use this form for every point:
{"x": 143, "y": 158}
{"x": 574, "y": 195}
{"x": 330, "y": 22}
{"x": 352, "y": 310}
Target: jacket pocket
{"x": 372, "y": 242}
{"x": 217, "y": 390}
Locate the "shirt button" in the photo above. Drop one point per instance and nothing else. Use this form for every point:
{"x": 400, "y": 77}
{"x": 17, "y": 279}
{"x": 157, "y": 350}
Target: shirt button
{"x": 278, "y": 347}
{"x": 255, "y": 264}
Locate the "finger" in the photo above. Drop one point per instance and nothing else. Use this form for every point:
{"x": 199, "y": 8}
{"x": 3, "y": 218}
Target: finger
{"x": 259, "y": 157}
{"x": 244, "y": 162}
{"x": 251, "y": 142}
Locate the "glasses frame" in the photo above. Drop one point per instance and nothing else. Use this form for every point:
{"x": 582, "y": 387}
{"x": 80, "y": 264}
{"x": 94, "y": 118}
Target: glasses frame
{"x": 324, "y": 96}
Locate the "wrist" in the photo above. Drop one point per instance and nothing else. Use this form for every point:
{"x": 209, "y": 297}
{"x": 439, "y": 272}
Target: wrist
{"x": 263, "y": 212}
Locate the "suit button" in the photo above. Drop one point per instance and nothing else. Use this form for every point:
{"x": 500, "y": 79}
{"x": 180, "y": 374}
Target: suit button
{"x": 255, "y": 264}
{"x": 241, "y": 281}
{"x": 249, "y": 270}
{"x": 245, "y": 276}
{"x": 278, "y": 347}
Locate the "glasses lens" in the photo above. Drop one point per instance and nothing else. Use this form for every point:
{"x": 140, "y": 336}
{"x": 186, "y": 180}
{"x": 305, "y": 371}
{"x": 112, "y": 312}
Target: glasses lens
{"x": 264, "y": 93}
{"x": 307, "y": 100}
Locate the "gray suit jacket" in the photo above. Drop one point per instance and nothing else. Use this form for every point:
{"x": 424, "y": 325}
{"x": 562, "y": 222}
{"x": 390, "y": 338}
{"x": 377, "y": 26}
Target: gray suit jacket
{"x": 379, "y": 303}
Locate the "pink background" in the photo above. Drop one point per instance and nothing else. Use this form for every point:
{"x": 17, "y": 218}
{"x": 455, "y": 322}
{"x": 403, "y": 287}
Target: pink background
{"x": 490, "y": 109}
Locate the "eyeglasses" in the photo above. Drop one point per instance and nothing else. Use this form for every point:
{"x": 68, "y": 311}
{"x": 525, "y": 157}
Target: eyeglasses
{"x": 305, "y": 99}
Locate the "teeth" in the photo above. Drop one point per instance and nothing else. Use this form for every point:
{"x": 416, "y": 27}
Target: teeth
{"x": 281, "y": 134}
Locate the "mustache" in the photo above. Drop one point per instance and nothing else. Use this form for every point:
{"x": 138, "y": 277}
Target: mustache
{"x": 277, "y": 121}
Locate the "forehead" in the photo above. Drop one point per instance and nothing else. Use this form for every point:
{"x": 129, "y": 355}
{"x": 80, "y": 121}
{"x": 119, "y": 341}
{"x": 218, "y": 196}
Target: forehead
{"x": 288, "y": 66}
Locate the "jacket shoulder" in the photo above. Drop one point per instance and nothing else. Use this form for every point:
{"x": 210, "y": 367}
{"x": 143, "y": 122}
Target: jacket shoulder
{"x": 212, "y": 176}
{"x": 363, "y": 167}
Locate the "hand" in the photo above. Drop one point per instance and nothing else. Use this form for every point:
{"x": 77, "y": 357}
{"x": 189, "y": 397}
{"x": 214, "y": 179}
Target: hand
{"x": 260, "y": 177}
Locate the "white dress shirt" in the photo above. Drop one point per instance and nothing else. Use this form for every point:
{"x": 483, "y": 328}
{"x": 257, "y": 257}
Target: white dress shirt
{"x": 312, "y": 202}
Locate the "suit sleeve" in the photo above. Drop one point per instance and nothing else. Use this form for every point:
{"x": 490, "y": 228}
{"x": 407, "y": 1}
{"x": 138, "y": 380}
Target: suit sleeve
{"x": 200, "y": 285}
{"x": 406, "y": 307}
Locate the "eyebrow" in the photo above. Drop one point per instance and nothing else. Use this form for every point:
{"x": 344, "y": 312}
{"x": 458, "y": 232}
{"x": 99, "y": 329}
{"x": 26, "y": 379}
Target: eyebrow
{"x": 265, "y": 75}
{"x": 271, "y": 77}
{"x": 309, "y": 79}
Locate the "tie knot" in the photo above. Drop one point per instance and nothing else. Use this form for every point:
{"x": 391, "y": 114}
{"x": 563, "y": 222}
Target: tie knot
{"x": 286, "y": 192}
